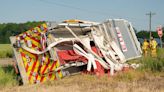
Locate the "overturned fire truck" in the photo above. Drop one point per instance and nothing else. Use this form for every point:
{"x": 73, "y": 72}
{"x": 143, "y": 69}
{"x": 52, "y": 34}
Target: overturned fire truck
{"x": 54, "y": 50}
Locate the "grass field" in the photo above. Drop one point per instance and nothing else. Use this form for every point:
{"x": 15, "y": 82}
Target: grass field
{"x": 6, "y": 51}
{"x": 149, "y": 77}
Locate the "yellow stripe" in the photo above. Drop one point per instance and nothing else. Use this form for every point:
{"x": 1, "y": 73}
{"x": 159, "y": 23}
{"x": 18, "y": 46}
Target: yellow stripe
{"x": 33, "y": 41}
{"x": 39, "y": 78}
{"x": 29, "y": 54}
{"x": 41, "y": 69}
{"x": 44, "y": 25}
{"x": 38, "y": 29}
{"x": 37, "y": 66}
{"x": 20, "y": 50}
{"x": 32, "y": 80}
{"x": 50, "y": 65}
{"x": 53, "y": 76}
{"x": 25, "y": 63}
{"x": 44, "y": 79}
{"x": 60, "y": 74}
{"x": 30, "y": 66}
{"x": 28, "y": 74}
{"x": 44, "y": 65}
{"x": 54, "y": 67}
{"x": 57, "y": 64}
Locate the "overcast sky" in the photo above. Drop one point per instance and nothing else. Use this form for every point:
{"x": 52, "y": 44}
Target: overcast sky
{"x": 94, "y": 10}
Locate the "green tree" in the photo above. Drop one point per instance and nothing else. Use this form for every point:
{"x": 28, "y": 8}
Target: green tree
{"x": 143, "y": 34}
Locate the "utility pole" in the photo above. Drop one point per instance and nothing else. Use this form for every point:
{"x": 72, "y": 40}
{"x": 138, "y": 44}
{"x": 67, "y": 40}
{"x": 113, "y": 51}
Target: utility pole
{"x": 150, "y": 14}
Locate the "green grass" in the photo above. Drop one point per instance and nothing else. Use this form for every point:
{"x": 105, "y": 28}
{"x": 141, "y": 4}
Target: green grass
{"x": 153, "y": 64}
{"x": 6, "y": 51}
{"x": 7, "y": 77}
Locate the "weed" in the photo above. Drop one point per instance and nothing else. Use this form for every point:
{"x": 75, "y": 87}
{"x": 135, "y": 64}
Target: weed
{"x": 152, "y": 64}
{"x": 7, "y": 76}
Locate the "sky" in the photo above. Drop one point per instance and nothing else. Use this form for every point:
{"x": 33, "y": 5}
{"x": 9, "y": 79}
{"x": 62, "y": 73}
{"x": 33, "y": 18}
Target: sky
{"x": 21, "y": 11}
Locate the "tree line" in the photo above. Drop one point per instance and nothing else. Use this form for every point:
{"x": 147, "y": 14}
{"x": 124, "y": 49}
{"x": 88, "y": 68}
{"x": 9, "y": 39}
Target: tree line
{"x": 12, "y": 29}
{"x": 146, "y": 34}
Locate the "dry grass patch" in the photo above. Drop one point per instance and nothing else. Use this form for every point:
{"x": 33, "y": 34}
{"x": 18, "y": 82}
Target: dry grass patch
{"x": 91, "y": 83}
